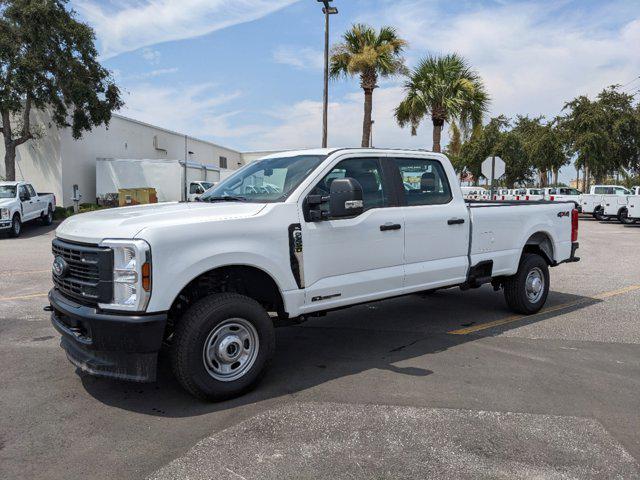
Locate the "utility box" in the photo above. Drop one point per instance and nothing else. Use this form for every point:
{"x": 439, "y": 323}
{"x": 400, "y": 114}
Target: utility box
{"x": 167, "y": 177}
{"x": 136, "y": 196}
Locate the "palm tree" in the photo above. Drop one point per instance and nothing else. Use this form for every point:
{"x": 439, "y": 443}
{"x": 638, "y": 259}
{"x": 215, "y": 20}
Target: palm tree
{"x": 446, "y": 88}
{"x": 370, "y": 55}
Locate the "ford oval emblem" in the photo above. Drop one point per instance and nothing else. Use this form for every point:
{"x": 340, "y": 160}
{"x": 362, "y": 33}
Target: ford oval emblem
{"x": 60, "y": 266}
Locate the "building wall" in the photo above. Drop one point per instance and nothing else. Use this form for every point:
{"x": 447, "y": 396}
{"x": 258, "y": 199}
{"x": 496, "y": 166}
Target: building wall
{"x": 126, "y": 138}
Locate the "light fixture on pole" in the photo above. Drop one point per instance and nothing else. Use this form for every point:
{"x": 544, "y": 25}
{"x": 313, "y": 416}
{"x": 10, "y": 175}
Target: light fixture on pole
{"x": 327, "y": 10}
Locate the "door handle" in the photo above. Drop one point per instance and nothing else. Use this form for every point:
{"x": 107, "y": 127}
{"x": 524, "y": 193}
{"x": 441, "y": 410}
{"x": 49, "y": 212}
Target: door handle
{"x": 390, "y": 226}
{"x": 455, "y": 221}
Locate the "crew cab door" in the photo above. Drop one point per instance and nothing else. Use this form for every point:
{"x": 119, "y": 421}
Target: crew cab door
{"x": 352, "y": 260}
{"x": 27, "y": 206}
{"x": 37, "y": 205}
{"x": 436, "y": 218}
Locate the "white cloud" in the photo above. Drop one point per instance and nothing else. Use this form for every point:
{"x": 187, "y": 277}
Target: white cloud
{"x": 299, "y": 125}
{"x": 299, "y": 57}
{"x": 532, "y": 56}
{"x": 124, "y": 27}
{"x": 154, "y": 73}
{"x": 198, "y": 110}
{"x": 150, "y": 55}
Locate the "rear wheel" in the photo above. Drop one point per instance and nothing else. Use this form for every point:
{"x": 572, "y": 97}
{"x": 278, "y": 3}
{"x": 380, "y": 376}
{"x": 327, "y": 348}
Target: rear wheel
{"x": 623, "y": 217}
{"x": 47, "y": 219}
{"x": 222, "y": 345}
{"x": 526, "y": 291}
{"x": 599, "y": 215}
{"x": 16, "y": 226}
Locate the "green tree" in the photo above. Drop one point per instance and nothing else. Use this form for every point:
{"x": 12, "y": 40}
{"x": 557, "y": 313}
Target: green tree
{"x": 603, "y": 134}
{"x": 544, "y": 146}
{"x": 48, "y": 61}
{"x": 369, "y": 54}
{"x": 448, "y": 90}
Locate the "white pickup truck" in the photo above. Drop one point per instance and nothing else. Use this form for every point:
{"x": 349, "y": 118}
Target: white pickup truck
{"x": 563, "y": 194}
{"x": 633, "y": 207}
{"x": 592, "y": 202}
{"x": 19, "y": 203}
{"x": 617, "y": 206}
{"x": 338, "y": 227}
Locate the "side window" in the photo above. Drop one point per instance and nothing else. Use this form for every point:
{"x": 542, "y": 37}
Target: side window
{"x": 22, "y": 192}
{"x": 30, "y": 189}
{"x": 223, "y": 162}
{"x": 424, "y": 181}
{"x": 367, "y": 171}
{"x": 195, "y": 188}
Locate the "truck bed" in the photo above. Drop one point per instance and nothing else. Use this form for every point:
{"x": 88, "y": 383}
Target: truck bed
{"x": 499, "y": 229}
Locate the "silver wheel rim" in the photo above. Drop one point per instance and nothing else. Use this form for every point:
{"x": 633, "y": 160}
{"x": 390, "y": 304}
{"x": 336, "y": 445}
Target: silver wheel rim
{"x": 534, "y": 285}
{"x": 230, "y": 349}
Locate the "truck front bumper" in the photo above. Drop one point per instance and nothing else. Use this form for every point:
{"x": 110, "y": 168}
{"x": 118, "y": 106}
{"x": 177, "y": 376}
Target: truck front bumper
{"x": 119, "y": 346}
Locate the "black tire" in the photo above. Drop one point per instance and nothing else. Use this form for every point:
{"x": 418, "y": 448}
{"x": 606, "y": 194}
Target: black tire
{"x": 47, "y": 219}
{"x": 200, "y": 326}
{"x": 623, "y": 217}
{"x": 518, "y": 298}
{"x": 16, "y": 226}
{"x": 599, "y": 215}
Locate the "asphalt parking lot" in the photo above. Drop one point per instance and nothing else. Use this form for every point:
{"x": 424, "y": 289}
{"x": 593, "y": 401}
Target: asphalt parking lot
{"x": 446, "y": 385}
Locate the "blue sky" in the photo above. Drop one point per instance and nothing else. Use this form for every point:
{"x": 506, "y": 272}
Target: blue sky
{"x": 248, "y": 73}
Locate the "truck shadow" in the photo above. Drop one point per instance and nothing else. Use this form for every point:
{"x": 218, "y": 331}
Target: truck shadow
{"x": 343, "y": 343}
{"x": 31, "y": 230}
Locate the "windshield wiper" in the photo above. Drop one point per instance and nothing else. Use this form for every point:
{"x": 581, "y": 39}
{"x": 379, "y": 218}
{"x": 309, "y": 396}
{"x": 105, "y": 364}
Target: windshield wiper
{"x": 226, "y": 198}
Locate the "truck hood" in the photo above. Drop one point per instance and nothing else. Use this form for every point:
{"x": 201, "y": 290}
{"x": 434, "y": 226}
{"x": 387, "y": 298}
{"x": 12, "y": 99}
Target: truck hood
{"x": 5, "y": 202}
{"x": 129, "y": 222}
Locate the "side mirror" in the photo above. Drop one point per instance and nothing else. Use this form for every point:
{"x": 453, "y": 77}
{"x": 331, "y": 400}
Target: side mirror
{"x": 345, "y": 198}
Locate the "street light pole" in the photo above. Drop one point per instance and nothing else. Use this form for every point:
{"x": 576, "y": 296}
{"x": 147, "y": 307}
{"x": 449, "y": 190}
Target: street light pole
{"x": 327, "y": 10}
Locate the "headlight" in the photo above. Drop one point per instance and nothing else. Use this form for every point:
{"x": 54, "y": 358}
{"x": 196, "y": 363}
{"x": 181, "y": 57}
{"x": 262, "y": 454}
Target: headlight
{"x": 131, "y": 274}
{"x": 4, "y": 213}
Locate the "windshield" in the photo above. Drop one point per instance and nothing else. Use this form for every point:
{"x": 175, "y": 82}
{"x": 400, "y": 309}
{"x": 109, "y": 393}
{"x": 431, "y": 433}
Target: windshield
{"x": 268, "y": 180}
{"x": 206, "y": 185}
{"x": 7, "y": 191}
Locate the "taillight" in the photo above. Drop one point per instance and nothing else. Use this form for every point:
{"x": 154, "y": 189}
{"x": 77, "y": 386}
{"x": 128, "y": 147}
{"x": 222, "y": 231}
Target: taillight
{"x": 527, "y": 198}
{"x": 551, "y": 198}
{"x": 503, "y": 197}
{"x": 517, "y": 197}
{"x": 574, "y": 225}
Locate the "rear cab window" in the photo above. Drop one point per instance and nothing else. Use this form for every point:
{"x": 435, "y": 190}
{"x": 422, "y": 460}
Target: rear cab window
{"x": 424, "y": 181}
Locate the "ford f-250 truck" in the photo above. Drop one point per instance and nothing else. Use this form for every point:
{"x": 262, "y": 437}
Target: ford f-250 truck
{"x": 336, "y": 228}
{"x": 19, "y": 203}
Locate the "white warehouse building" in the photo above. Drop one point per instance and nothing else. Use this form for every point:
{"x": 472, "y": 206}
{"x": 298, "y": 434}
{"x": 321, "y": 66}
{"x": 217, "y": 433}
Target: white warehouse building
{"x": 55, "y": 162}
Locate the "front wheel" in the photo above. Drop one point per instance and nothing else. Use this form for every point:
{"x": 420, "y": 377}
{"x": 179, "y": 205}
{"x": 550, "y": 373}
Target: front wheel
{"x": 16, "y": 226}
{"x": 526, "y": 291}
{"x": 623, "y": 217}
{"x": 221, "y": 346}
